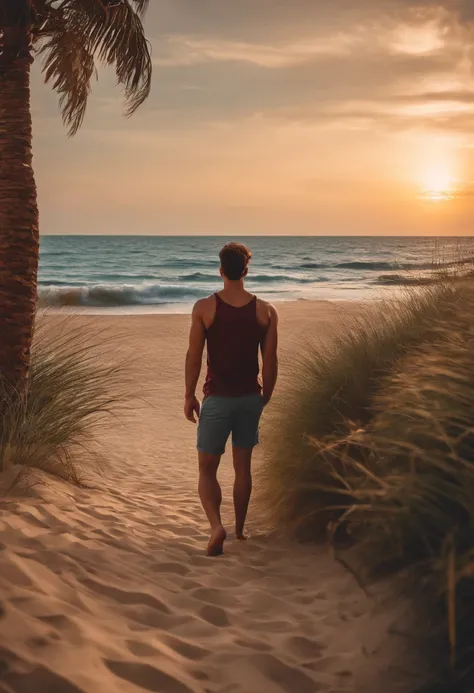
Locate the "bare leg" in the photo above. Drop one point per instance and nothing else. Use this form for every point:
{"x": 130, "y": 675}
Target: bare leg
{"x": 242, "y": 488}
{"x": 211, "y": 498}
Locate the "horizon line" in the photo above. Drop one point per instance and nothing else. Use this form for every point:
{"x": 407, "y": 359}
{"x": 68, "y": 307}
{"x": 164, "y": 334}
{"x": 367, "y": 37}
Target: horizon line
{"x": 264, "y": 235}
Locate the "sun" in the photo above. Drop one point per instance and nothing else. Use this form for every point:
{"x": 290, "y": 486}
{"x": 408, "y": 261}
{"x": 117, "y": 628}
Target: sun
{"x": 438, "y": 184}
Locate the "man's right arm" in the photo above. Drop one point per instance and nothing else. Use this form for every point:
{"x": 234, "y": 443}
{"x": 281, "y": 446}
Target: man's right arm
{"x": 270, "y": 356}
{"x": 197, "y": 339}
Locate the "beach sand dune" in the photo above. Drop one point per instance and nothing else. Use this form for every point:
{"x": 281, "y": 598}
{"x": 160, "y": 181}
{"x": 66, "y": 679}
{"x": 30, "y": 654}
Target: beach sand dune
{"x": 108, "y": 589}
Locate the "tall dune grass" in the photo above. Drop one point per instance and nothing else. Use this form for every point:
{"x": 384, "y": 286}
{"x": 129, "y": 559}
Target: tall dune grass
{"x": 328, "y": 394}
{"x": 413, "y": 497}
{"x": 73, "y": 392}
{"x": 378, "y": 437}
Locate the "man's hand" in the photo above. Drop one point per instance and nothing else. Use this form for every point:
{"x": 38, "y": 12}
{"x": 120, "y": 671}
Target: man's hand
{"x": 192, "y": 408}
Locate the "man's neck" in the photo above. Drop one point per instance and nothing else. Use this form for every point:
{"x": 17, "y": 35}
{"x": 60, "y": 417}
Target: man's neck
{"x": 235, "y": 293}
{"x": 234, "y": 287}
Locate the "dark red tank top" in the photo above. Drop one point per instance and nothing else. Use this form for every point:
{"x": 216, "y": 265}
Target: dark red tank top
{"x": 233, "y": 341}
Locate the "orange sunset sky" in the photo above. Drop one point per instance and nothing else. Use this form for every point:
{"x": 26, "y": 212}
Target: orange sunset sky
{"x": 276, "y": 117}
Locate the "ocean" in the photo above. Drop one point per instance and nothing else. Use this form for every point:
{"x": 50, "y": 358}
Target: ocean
{"x": 168, "y": 274}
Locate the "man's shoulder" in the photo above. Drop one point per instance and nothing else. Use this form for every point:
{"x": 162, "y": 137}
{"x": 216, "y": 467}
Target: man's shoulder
{"x": 204, "y": 304}
{"x": 266, "y": 312}
{"x": 266, "y": 307}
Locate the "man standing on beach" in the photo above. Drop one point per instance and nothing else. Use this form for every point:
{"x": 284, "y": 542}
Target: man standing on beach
{"x": 235, "y": 325}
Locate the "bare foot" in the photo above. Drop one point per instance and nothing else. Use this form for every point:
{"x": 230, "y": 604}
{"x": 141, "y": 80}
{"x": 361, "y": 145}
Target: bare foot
{"x": 216, "y": 542}
{"x": 240, "y": 536}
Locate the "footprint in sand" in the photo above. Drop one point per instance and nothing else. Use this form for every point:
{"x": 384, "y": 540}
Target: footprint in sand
{"x": 144, "y": 618}
{"x": 185, "y": 649}
{"x": 126, "y": 597}
{"x": 290, "y": 679}
{"x": 61, "y": 623}
{"x": 304, "y": 647}
{"x": 214, "y": 596}
{"x": 215, "y": 615}
{"x": 39, "y": 679}
{"x": 142, "y": 649}
{"x": 172, "y": 568}
{"x": 255, "y": 645}
{"x": 37, "y": 642}
{"x": 185, "y": 531}
{"x": 102, "y": 516}
{"x": 191, "y": 584}
{"x": 145, "y": 676}
{"x": 15, "y": 575}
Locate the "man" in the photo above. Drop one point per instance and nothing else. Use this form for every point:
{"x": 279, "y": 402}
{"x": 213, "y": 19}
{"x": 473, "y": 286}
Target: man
{"x": 235, "y": 324}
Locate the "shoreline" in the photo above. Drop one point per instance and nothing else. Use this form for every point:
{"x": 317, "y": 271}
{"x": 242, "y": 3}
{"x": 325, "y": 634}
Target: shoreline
{"x": 183, "y": 309}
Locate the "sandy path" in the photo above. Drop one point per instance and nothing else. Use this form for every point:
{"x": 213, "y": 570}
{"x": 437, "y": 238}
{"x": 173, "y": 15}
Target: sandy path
{"x": 109, "y": 590}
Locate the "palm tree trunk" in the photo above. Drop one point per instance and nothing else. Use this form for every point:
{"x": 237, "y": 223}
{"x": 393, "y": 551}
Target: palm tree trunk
{"x": 19, "y": 236}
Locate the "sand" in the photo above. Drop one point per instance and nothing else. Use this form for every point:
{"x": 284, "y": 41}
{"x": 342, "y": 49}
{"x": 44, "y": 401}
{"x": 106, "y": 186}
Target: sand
{"x": 108, "y": 589}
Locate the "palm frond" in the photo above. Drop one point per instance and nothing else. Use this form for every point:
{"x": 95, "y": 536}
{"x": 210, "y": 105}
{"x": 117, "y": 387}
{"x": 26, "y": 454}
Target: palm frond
{"x": 111, "y": 31}
{"x": 69, "y": 67}
{"x": 141, "y": 5}
{"x": 119, "y": 39}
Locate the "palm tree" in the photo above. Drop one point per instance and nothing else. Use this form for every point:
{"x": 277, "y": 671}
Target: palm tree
{"x": 70, "y": 36}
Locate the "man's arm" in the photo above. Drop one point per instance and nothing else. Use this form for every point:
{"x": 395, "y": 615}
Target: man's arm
{"x": 197, "y": 339}
{"x": 270, "y": 356}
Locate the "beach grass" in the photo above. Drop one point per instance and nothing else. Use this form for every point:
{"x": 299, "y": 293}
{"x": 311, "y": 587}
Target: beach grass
{"x": 328, "y": 395}
{"x": 412, "y": 507}
{"x": 72, "y": 394}
{"x": 375, "y": 435}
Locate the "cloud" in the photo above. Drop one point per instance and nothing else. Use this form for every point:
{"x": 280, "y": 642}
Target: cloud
{"x": 270, "y": 21}
{"x": 186, "y": 50}
{"x": 424, "y": 38}
{"x": 393, "y": 63}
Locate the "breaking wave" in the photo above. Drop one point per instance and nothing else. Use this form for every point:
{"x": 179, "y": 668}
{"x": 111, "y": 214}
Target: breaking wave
{"x": 115, "y": 296}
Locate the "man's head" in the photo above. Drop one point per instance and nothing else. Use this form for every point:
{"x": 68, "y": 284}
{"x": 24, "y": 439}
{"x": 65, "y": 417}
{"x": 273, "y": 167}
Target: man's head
{"x": 235, "y": 259}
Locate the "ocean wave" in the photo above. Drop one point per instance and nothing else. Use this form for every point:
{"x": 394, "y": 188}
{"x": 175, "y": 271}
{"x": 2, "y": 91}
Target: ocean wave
{"x": 314, "y": 265}
{"x": 403, "y": 280}
{"x": 101, "y": 296}
{"x": 367, "y": 265}
{"x": 433, "y": 278}
{"x": 199, "y": 277}
{"x": 74, "y": 280}
{"x": 408, "y": 266}
{"x": 381, "y": 266}
{"x": 259, "y": 278}
{"x": 284, "y": 278}
{"x": 375, "y": 266}
{"x": 184, "y": 263}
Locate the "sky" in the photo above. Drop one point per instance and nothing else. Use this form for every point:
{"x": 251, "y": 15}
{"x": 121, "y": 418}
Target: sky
{"x": 293, "y": 117}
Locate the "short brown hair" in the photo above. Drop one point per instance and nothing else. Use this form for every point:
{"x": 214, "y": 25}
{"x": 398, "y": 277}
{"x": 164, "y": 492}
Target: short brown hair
{"x": 234, "y": 258}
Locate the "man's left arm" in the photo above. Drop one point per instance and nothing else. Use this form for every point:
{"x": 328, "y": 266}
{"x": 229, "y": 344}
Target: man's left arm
{"x": 270, "y": 356}
{"x": 197, "y": 339}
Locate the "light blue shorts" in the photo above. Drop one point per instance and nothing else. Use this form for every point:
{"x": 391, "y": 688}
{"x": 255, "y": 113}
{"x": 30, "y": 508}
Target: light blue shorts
{"x": 221, "y": 416}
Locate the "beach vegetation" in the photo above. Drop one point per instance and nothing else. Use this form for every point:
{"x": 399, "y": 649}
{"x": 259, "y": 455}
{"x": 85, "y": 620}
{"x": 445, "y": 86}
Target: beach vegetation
{"x": 373, "y": 444}
{"x": 73, "y": 393}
